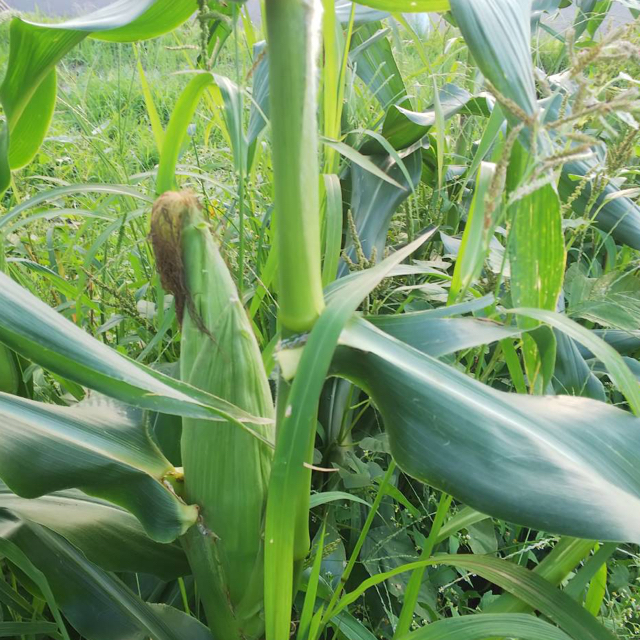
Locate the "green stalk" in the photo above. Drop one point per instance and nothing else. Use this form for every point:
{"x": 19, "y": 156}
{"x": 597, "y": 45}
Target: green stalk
{"x": 292, "y": 27}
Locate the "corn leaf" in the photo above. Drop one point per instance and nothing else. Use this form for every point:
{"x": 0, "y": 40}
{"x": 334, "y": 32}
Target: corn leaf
{"x": 28, "y": 91}
{"x": 565, "y": 465}
{"x": 615, "y": 364}
{"x": 616, "y": 215}
{"x": 498, "y": 33}
{"x": 486, "y": 625}
{"x": 572, "y": 375}
{"x": 478, "y": 233}
{"x": 374, "y": 201}
{"x": 536, "y": 257}
{"x": 403, "y": 127}
{"x": 108, "y": 535}
{"x": 98, "y": 449}
{"x": 375, "y": 64}
{"x": 17, "y": 556}
{"x": 439, "y": 337}
{"x": 534, "y": 590}
{"x": 537, "y": 250}
{"x": 31, "y": 328}
{"x": 413, "y": 6}
{"x": 96, "y": 603}
{"x": 15, "y": 629}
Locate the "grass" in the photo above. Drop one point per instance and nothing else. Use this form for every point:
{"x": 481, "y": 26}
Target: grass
{"x": 88, "y": 255}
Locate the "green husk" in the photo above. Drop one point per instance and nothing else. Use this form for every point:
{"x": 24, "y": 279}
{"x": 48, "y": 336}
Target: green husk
{"x": 226, "y": 468}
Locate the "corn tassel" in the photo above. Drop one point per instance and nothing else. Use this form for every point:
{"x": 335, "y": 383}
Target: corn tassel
{"x": 226, "y": 468}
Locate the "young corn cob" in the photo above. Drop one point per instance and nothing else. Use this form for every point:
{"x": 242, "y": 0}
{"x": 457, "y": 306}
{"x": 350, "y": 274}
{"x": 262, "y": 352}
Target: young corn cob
{"x": 226, "y": 468}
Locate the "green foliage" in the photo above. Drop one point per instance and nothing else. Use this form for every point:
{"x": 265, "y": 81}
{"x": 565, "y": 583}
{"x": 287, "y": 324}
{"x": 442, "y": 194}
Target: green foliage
{"x": 199, "y": 441}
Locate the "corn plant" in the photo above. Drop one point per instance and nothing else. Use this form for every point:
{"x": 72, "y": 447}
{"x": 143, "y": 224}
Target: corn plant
{"x": 93, "y": 495}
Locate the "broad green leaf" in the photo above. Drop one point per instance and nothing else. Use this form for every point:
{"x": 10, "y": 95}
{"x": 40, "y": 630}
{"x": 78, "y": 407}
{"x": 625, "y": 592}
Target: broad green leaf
{"x": 362, "y": 161}
{"x": 308, "y": 607}
{"x": 485, "y": 625}
{"x": 97, "y": 603}
{"x": 408, "y": 6}
{"x": 555, "y": 568}
{"x": 97, "y": 449}
{"x": 498, "y": 34}
{"x": 374, "y": 201}
{"x": 318, "y": 499}
{"x": 372, "y": 56}
{"x": 15, "y": 629}
{"x": 177, "y": 129}
{"x": 536, "y": 258}
{"x": 596, "y": 591}
{"x": 476, "y": 238}
{"x": 108, "y": 535}
{"x": 403, "y": 127}
{"x": 566, "y": 465}
{"x": 616, "y": 367}
{"x": 441, "y": 336}
{"x": 350, "y": 627}
{"x": 259, "y": 99}
{"x": 530, "y": 587}
{"x": 463, "y": 519}
{"x": 34, "y": 330}
{"x": 28, "y": 91}
{"x": 17, "y": 556}
{"x": 289, "y": 478}
{"x": 618, "y": 216}
{"x": 536, "y": 250}
{"x": 626, "y": 343}
{"x": 572, "y": 375}
{"x": 584, "y": 575}
{"x": 332, "y": 228}
{"x": 5, "y": 168}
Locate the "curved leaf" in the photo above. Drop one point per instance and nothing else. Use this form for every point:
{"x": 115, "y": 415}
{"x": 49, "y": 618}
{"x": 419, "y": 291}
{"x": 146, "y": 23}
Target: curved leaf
{"x": 561, "y": 464}
{"x": 28, "y": 91}
{"x": 486, "y": 625}
{"x": 375, "y": 64}
{"x": 403, "y": 127}
{"x": 17, "y": 556}
{"x": 182, "y": 115}
{"x": 616, "y": 367}
{"x": 618, "y": 216}
{"x": 572, "y": 375}
{"x": 108, "y": 535}
{"x": 98, "y": 449}
{"x": 498, "y": 33}
{"x": 97, "y": 603}
{"x": 374, "y": 201}
{"x": 408, "y": 6}
{"x": 37, "y": 332}
{"x": 442, "y": 336}
{"x": 524, "y": 584}
{"x": 626, "y": 343}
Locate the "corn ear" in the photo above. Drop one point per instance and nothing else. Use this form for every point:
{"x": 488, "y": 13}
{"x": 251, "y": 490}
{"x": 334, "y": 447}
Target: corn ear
{"x": 226, "y": 468}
